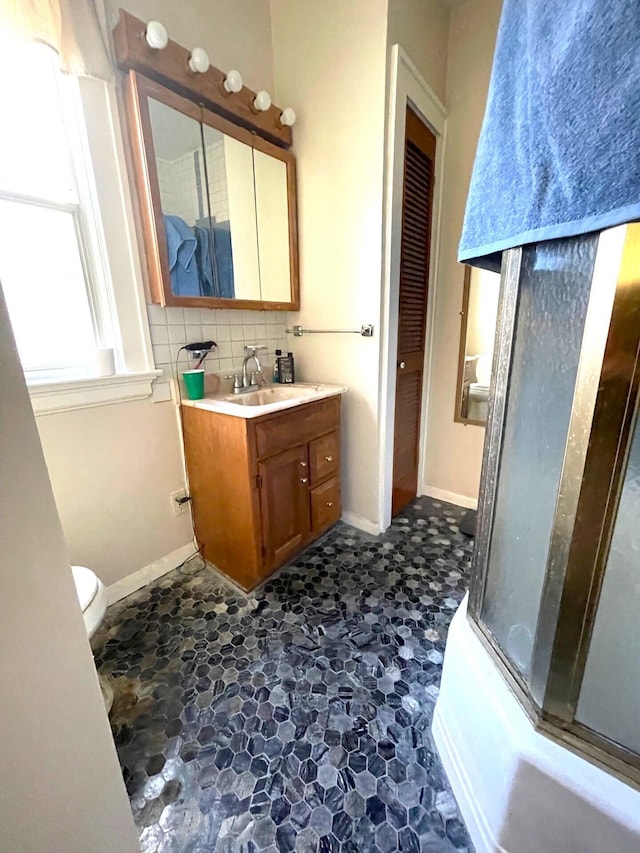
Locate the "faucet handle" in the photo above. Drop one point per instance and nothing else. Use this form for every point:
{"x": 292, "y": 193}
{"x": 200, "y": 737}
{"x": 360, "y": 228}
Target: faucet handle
{"x": 237, "y": 381}
{"x": 251, "y": 349}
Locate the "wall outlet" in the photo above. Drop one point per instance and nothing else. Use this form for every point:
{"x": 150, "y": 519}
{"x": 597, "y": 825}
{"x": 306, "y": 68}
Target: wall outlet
{"x": 174, "y": 497}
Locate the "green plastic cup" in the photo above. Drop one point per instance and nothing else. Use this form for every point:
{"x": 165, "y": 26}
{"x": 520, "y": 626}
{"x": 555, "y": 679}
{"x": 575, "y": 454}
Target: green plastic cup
{"x": 194, "y": 383}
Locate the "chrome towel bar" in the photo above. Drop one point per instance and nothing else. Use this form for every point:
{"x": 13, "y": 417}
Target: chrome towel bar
{"x": 366, "y": 331}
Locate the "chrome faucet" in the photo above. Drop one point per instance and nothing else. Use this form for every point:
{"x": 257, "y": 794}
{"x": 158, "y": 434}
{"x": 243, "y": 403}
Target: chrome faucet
{"x": 247, "y": 381}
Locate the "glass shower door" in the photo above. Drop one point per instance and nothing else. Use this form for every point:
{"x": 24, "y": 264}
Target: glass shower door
{"x": 556, "y": 589}
{"x": 610, "y": 691}
{"x": 554, "y": 287}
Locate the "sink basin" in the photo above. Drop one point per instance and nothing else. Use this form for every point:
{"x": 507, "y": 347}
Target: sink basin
{"x": 272, "y": 394}
{"x": 272, "y": 398}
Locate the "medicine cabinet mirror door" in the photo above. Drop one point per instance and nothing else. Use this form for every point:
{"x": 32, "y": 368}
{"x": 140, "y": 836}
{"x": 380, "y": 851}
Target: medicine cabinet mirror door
{"x": 217, "y": 206}
{"x": 477, "y": 333}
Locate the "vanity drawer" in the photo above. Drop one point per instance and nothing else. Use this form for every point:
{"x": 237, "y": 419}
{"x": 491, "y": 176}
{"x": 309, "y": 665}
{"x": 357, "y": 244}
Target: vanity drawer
{"x": 325, "y": 505}
{"x": 292, "y": 427}
{"x": 324, "y": 457}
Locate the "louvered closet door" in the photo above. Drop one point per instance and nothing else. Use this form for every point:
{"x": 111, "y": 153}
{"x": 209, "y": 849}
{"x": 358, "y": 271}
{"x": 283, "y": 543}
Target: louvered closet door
{"x": 420, "y": 151}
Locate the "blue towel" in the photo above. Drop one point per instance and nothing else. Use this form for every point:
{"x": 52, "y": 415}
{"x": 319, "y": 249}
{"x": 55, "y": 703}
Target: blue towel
{"x": 204, "y": 260}
{"x": 181, "y": 246}
{"x": 559, "y": 151}
{"x": 224, "y": 259}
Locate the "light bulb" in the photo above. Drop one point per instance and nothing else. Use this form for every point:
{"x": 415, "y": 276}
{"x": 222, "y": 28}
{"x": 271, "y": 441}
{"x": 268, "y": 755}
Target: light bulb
{"x": 262, "y": 101}
{"x": 233, "y": 81}
{"x": 199, "y": 61}
{"x": 156, "y": 36}
{"x": 288, "y": 117}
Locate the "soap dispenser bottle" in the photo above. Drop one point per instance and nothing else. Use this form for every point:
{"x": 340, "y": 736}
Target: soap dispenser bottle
{"x": 286, "y": 369}
{"x": 276, "y": 366}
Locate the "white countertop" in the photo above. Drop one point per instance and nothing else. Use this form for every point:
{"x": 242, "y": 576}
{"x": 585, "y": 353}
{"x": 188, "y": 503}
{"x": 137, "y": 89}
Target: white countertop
{"x": 266, "y": 400}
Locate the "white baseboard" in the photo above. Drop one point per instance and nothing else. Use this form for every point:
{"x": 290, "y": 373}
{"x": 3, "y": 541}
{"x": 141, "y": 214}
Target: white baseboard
{"x": 144, "y": 576}
{"x": 361, "y": 523}
{"x": 450, "y": 497}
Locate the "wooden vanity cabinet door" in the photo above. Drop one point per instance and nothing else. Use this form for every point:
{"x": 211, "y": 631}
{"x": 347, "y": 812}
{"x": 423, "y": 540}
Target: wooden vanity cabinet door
{"x": 284, "y": 503}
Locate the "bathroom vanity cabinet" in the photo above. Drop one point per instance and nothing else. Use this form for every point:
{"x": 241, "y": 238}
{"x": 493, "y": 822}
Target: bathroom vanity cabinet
{"x": 262, "y": 488}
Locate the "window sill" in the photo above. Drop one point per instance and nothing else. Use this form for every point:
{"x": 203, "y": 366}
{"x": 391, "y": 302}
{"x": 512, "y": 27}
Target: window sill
{"x": 47, "y": 398}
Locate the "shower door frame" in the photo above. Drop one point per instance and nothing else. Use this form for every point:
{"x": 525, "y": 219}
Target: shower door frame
{"x": 604, "y": 411}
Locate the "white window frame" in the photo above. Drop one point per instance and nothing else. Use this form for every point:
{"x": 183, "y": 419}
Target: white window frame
{"x": 98, "y": 320}
{"x": 108, "y": 243}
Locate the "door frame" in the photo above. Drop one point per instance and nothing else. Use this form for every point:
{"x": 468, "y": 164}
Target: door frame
{"x": 407, "y": 87}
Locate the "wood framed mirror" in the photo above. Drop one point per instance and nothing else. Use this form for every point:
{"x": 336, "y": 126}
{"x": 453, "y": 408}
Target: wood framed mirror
{"x": 217, "y": 204}
{"x": 477, "y": 333}
{"x": 215, "y": 179}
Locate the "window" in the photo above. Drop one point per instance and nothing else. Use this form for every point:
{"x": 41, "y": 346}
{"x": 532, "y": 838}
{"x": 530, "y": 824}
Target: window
{"x": 51, "y": 278}
{"x": 69, "y": 265}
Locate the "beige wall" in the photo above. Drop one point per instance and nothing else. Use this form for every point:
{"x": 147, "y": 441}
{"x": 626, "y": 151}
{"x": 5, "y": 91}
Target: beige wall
{"x": 332, "y": 69}
{"x": 453, "y": 453}
{"x": 62, "y": 790}
{"x": 114, "y": 467}
{"x": 484, "y": 288}
{"x": 330, "y": 61}
{"x": 421, "y": 27}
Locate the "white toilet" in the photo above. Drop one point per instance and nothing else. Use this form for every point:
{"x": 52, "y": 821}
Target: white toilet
{"x": 92, "y": 597}
{"x": 479, "y": 390}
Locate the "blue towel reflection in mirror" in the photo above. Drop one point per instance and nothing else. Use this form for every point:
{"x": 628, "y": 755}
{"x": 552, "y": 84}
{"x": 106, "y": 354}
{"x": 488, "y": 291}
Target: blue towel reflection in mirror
{"x": 200, "y": 257}
{"x": 181, "y": 248}
{"x": 205, "y": 260}
{"x": 220, "y": 254}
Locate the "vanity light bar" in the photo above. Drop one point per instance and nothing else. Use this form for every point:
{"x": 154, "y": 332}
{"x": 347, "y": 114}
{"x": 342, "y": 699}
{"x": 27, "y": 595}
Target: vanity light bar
{"x": 146, "y": 49}
{"x": 298, "y": 331}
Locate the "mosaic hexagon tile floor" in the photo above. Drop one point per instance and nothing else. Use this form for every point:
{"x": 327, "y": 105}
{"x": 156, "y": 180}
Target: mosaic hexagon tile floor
{"x": 295, "y": 718}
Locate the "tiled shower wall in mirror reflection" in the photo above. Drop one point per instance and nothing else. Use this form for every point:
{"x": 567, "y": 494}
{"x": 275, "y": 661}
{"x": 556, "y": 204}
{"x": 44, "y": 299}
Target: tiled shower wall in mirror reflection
{"x": 181, "y": 180}
{"x": 172, "y": 328}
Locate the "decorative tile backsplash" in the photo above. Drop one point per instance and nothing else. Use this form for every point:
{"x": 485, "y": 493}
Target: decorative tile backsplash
{"x": 172, "y": 328}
